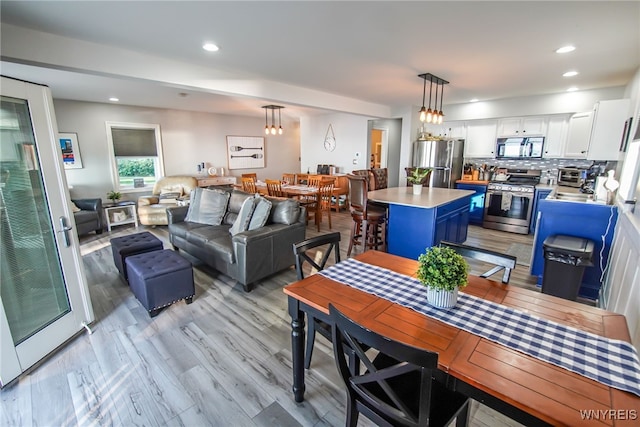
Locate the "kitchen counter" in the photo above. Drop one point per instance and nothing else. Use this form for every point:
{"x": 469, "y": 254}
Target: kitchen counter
{"x": 593, "y": 221}
{"x": 417, "y": 222}
{"x": 431, "y": 197}
{"x": 471, "y": 181}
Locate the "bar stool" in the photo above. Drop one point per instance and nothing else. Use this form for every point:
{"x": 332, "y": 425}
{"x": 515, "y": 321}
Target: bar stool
{"x": 368, "y": 219}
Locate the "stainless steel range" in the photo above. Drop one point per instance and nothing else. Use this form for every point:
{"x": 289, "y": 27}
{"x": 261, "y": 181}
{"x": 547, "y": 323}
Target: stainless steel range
{"x": 509, "y": 202}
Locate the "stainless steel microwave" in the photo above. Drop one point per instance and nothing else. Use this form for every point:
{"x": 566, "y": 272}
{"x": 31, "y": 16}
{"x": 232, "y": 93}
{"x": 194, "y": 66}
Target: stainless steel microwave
{"x": 520, "y": 148}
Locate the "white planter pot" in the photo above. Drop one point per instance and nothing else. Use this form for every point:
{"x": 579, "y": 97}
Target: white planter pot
{"x": 442, "y": 299}
{"x": 417, "y": 188}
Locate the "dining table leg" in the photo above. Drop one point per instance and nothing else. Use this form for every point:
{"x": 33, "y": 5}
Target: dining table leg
{"x": 297, "y": 348}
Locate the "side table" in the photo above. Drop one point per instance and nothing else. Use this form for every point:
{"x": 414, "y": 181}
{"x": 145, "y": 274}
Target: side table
{"x": 120, "y": 214}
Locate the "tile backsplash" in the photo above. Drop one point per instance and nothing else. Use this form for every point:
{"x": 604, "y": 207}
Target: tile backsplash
{"x": 551, "y": 165}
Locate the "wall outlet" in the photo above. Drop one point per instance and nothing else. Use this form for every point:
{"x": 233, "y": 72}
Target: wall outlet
{"x": 355, "y": 161}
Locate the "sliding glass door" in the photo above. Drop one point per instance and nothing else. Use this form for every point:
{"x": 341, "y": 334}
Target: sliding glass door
{"x": 43, "y": 294}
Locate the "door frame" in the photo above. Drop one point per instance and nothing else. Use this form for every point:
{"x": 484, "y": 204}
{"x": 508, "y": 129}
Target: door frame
{"x": 18, "y": 359}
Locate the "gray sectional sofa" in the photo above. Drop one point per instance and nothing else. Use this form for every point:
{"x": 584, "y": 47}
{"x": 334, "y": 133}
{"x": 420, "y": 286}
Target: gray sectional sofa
{"x": 247, "y": 256}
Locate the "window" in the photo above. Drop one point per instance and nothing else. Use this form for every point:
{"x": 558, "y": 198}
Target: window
{"x": 136, "y": 155}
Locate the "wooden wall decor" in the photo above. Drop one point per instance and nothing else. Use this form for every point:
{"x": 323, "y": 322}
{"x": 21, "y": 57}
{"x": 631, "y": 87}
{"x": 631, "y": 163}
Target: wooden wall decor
{"x": 245, "y": 152}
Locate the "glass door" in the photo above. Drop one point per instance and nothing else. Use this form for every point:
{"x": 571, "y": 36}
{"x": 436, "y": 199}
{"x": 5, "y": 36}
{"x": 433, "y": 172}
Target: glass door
{"x": 43, "y": 294}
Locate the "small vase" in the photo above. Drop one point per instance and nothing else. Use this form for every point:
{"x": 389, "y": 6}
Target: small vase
{"x": 417, "y": 189}
{"x": 442, "y": 299}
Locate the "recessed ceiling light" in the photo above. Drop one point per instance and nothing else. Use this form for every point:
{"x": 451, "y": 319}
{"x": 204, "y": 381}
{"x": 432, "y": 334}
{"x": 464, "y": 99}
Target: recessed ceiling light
{"x": 210, "y": 47}
{"x": 566, "y": 49}
{"x": 570, "y": 74}
{"x": 473, "y": 100}
{"x": 572, "y": 89}
{"x": 114, "y": 99}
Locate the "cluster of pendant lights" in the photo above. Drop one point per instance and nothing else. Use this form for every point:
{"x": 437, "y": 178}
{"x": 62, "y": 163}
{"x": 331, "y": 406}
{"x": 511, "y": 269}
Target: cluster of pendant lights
{"x": 428, "y": 115}
{"x": 272, "y": 129}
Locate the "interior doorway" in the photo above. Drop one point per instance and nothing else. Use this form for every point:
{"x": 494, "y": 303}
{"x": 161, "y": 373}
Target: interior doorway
{"x": 379, "y": 148}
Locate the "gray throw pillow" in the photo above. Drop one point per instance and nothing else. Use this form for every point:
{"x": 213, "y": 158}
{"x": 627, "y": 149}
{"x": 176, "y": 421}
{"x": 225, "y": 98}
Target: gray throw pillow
{"x": 208, "y": 206}
{"x": 284, "y": 211}
{"x": 260, "y": 213}
{"x": 244, "y": 217}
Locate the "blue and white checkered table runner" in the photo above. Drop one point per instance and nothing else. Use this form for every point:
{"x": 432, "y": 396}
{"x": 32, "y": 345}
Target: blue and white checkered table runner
{"x": 611, "y": 362}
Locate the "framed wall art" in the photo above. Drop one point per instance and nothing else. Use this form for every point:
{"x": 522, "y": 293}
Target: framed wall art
{"x": 245, "y": 152}
{"x": 70, "y": 150}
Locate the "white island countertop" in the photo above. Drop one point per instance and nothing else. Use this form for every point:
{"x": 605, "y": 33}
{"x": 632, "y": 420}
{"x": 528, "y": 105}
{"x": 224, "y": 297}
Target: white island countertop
{"x": 430, "y": 197}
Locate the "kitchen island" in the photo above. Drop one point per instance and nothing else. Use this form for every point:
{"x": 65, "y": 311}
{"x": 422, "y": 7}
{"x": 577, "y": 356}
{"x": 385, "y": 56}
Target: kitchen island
{"x": 417, "y": 222}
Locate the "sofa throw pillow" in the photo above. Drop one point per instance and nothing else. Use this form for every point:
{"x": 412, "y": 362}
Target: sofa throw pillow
{"x": 207, "y": 206}
{"x": 284, "y": 211}
{"x": 169, "y": 197}
{"x": 260, "y": 213}
{"x": 75, "y": 208}
{"x": 244, "y": 217}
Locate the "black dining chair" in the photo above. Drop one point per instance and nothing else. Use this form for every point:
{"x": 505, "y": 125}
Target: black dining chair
{"x": 331, "y": 242}
{"x": 500, "y": 260}
{"x": 399, "y": 385}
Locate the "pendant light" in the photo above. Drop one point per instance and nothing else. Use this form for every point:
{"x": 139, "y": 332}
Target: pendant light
{"x": 272, "y": 130}
{"x": 423, "y": 110}
{"x": 440, "y": 113}
{"x": 273, "y": 126}
{"x": 427, "y": 115}
{"x": 434, "y": 117}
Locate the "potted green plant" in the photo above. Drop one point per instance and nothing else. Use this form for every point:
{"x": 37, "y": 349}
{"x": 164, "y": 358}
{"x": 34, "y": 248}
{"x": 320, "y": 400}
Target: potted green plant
{"x": 443, "y": 271}
{"x": 114, "y": 196}
{"x": 416, "y": 178}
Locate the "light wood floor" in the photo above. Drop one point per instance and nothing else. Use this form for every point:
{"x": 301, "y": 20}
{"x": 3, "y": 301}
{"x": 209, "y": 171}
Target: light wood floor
{"x": 224, "y": 360}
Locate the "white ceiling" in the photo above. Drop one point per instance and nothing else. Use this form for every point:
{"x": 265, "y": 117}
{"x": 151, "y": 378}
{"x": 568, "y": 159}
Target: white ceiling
{"x": 370, "y": 51}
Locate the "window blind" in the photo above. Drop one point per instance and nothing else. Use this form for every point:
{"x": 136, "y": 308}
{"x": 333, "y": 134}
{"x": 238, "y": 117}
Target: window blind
{"x": 134, "y": 142}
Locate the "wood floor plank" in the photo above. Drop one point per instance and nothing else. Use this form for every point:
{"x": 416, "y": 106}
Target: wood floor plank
{"x": 225, "y": 359}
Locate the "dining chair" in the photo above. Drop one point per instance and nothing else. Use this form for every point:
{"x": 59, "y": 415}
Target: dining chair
{"x": 328, "y": 243}
{"x": 501, "y": 261}
{"x": 249, "y": 185}
{"x": 301, "y": 178}
{"x": 380, "y": 178}
{"x": 289, "y": 178}
{"x": 314, "y": 180}
{"x": 325, "y": 193}
{"x": 250, "y": 175}
{"x": 274, "y": 188}
{"x": 398, "y": 385}
{"x": 367, "y": 174}
{"x": 368, "y": 220}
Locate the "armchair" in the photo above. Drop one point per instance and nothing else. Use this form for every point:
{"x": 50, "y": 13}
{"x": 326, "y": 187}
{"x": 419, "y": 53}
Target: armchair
{"x": 89, "y": 217}
{"x": 152, "y": 210}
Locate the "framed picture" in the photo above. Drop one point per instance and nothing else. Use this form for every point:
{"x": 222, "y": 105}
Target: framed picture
{"x": 70, "y": 150}
{"x": 245, "y": 152}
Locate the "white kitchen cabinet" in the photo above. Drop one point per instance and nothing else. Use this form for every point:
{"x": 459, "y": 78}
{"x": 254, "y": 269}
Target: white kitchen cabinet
{"x": 481, "y": 138}
{"x": 578, "y": 137}
{"x": 556, "y": 139}
{"x": 606, "y": 129}
{"x": 457, "y": 130}
{"x": 522, "y": 126}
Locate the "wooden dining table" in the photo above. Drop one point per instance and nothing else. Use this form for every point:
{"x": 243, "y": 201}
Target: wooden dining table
{"x": 526, "y": 389}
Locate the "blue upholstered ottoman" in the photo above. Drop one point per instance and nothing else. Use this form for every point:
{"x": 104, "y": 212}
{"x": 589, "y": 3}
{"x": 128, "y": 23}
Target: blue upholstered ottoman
{"x": 133, "y": 244}
{"x": 159, "y": 279}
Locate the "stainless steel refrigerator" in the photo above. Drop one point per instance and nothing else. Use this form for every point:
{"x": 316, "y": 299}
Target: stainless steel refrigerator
{"x": 444, "y": 156}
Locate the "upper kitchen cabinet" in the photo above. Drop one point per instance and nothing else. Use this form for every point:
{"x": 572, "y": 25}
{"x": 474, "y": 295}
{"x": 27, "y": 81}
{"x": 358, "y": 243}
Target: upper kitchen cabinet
{"x": 578, "y": 136}
{"x": 522, "y": 126}
{"x": 456, "y": 130}
{"x": 557, "y": 130}
{"x": 481, "y": 138}
{"x": 607, "y": 129}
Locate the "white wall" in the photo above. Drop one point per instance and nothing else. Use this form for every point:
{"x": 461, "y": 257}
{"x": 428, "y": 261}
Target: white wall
{"x": 188, "y": 138}
{"x": 568, "y": 102}
{"x": 351, "y": 133}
